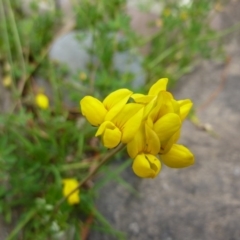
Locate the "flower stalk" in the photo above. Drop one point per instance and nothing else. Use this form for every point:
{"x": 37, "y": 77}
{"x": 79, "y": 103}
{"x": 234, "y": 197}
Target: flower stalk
{"x": 106, "y": 157}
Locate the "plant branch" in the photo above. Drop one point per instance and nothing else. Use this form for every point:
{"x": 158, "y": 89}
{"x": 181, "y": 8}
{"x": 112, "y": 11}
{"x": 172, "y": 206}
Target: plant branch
{"x": 104, "y": 159}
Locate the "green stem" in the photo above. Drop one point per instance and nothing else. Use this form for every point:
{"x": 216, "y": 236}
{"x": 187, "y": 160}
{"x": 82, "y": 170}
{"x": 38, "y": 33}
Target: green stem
{"x": 182, "y": 44}
{"x": 3, "y": 18}
{"x": 72, "y": 166}
{"x": 21, "y": 224}
{"x": 16, "y": 38}
{"x": 104, "y": 159}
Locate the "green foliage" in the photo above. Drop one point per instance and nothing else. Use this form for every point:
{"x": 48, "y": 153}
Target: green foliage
{"x": 39, "y": 148}
{"x": 185, "y": 37}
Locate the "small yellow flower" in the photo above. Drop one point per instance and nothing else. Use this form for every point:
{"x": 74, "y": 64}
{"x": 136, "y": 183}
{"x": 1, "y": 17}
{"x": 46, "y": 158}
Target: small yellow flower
{"x": 122, "y": 127}
{"x": 96, "y": 112}
{"x": 42, "y": 101}
{"x": 143, "y": 149}
{"x": 69, "y": 184}
{"x": 178, "y": 157}
{"x": 117, "y": 120}
{"x": 146, "y": 166}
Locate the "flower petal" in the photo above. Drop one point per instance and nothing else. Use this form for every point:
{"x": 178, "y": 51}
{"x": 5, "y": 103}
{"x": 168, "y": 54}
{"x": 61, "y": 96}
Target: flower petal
{"x": 93, "y": 110}
{"x": 137, "y": 144}
{"x": 160, "y": 108}
{"x": 185, "y": 107}
{"x": 141, "y": 98}
{"x": 146, "y": 166}
{"x": 169, "y": 106}
{"x": 69, "y": 184}
{"x": 178, "y": 157}
{"x": 152, "y": 141}
{"x": 129, "y": 120}
{"x": 166, "y": 126}
{"x": 160, "y": 85}
{"x": 115, "y": 101}
{"x": 167, "y": 145}
{"x": 111, "y": 135}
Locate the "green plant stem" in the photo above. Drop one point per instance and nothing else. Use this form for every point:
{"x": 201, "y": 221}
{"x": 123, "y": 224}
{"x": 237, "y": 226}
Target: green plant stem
{"x": 16, "y": 38}
{"x": 71, "y": 166}
{"x": 21, "y": 224}
{"x": 104, "y": 159}
{"x": 3, "y": 18}
{"x": 182, "y": 44}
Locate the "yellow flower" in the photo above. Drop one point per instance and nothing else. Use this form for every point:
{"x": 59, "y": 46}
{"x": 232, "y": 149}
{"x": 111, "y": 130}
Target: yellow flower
{"x": 146, "y": 166}
{"x": 117, "y": 120}
{"x": 159, "y": 132}
{"x": 150, "y": 126}
{"x": 97, "y": 112}
{"x": 143, "y": 149}
{"x": 122, "y": 127}
{"x": 149, "y": 100}
{"x": 42, "y": 101}
{"x": 178, "y": 157}
{"x": 166, "y": 118}
{"x": 69, "y": 184}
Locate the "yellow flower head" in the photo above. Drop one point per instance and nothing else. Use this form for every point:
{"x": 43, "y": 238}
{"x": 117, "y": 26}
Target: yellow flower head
{"x": 150, "y": 126}
{"x": 42, "y": 101}
{"x": 69, "y": 184}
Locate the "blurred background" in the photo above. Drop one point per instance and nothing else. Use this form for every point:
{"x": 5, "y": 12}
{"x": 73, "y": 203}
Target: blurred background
{"x": 66, "y": 49}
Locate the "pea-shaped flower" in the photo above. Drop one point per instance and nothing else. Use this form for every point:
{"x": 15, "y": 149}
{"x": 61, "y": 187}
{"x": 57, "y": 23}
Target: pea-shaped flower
{"x": 143, "y": 149}
{"x": 178, "y": 157}
{"x": 166, "y": 119}
{"x": 149, "y": 100}
{"x": 97, "y": 112}
{"x": 122, "y": 127}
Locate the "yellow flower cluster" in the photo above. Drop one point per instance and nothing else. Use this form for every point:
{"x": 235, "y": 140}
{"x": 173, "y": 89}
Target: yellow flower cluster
{"x": 149, "y": 124}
